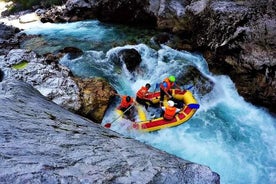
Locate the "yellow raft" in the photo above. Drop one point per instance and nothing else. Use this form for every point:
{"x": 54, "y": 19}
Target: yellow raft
{"x": 181, "y": 117}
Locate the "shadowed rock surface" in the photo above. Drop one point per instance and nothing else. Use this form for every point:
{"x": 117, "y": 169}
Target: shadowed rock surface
{"x": 43, "y": 143}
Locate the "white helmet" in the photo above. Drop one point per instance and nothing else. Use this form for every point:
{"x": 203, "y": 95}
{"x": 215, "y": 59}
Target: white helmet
{"x": 170, "y": 103}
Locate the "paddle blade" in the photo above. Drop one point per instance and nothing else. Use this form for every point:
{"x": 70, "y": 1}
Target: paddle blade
{"x": 157, "y": 85}
{"x": 194, "y": 106}
{"x": 107, "y": 125}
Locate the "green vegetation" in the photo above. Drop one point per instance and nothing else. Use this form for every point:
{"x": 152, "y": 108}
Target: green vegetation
{"x": 20, "y": 65}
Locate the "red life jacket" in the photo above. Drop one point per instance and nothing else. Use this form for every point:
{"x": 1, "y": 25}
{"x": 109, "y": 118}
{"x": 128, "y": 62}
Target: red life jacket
{"x": 124, "y": 103}
{"x": 169, "y": 85}
{"x": 169, "y": 112}
{"x": 141, "y": 92}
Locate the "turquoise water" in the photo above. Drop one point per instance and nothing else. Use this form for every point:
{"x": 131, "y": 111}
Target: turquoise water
{"x": 233, "y": 137}
{"x": 86, "y": 35}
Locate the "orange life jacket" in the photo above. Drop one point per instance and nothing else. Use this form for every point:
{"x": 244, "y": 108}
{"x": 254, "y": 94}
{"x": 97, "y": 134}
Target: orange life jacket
{"x": 169, "y": 112}
{"x": 141, "y": 92}
{"x": 124, "y": 103}
{"x": 169, "y": 85}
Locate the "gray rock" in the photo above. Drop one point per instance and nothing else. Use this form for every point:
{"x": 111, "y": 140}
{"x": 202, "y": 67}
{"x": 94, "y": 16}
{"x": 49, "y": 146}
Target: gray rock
{"x": 53, "y": 81}
{"x": 44, "y": 143}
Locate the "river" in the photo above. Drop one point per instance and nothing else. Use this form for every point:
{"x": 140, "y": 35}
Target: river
{"x": 233, "y": 137}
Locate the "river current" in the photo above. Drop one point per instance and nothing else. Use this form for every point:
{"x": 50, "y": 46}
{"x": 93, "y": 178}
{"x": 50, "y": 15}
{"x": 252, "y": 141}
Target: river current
{"x": 233, "y": 137}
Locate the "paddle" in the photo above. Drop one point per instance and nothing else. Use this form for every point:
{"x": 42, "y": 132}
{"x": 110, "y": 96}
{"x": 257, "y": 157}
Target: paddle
{"x": 156, "y": 86}
{"x": 108, "y": 125}
{"x": 190, "y": 87}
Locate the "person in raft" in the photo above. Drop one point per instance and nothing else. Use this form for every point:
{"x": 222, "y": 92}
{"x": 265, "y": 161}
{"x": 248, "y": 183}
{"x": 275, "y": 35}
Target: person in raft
{"x": 126, "y": 106}
{"x": 141, "y": 96}
{"x": 166, "y": 86}
{"x": 169, "y": 111}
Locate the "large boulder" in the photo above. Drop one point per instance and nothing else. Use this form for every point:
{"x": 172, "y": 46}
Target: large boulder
{"x": 131, "y": 58}
{"x": 195, "y": 80}
{"x": 72, "y": 52}
{"x": 95, "y": 94}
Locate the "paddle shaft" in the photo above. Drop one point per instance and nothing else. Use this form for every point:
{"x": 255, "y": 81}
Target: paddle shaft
{"x": 109, "y": 124}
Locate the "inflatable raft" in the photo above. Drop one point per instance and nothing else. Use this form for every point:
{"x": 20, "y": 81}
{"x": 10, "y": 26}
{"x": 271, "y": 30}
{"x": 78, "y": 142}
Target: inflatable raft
{"x": 188, "y": 110}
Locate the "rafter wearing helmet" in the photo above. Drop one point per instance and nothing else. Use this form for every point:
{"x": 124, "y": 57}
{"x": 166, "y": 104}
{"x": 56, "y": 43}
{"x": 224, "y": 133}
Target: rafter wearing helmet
{"x": 166, "y": 86}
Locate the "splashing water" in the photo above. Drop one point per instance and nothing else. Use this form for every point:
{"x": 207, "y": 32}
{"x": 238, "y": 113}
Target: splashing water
{"x": 232, "y": 137}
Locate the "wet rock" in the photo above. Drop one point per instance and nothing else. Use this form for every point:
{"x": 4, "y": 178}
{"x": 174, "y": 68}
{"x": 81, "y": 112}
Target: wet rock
{"x": 194, "y": 79}
{"x": 95, "y": 94}
{"x": 131, "y": 58}
{"x": 162, "y": 38}
{"x": 72, "y": 52}
{"x": 51, "y": 58}
{"x": 57, "y": 146}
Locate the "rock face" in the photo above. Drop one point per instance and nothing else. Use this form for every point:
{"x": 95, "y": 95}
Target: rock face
{"x": 44, "y": 143}
{"x": 236, "y": 37}
{"x": 95, "y": 94}
{"x": 241, "y": 39}
{"x": 52, "y": 80}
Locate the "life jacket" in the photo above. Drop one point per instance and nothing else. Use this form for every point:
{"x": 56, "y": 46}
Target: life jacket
{"x": 124, "y": 103}
{"x": 169, "y": 84}
{"x": 141, "y": 92}
{"x": 169, "y": 112}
